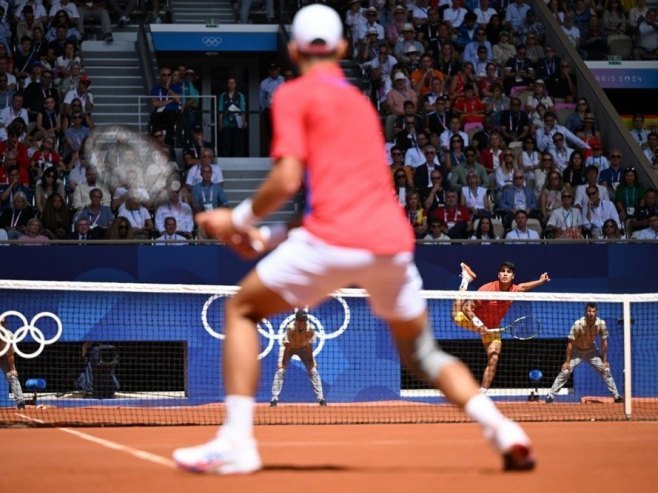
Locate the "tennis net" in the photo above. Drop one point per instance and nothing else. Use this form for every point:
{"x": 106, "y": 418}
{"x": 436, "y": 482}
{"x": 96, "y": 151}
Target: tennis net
{"x": 145, "y": 354}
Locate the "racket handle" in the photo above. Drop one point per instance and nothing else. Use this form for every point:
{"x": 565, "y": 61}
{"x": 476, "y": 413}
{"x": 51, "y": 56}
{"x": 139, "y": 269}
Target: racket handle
{"x": 495, "y": 331}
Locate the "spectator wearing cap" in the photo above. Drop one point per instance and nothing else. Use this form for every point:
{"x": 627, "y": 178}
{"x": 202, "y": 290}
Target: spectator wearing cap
{"x": 232, "y": 107}
{"x": 399, "y": 94}
{"x": 371, "y": 16}
{"x": 413, "y": 55}
{"x": 408, "y": 40}
{"x": 589, "y": 133}
{"x": 368, "y": 47}
{"x": 82, "y": 93}
{"x": 393, "y": 29}
{"x": 472, "y": 49}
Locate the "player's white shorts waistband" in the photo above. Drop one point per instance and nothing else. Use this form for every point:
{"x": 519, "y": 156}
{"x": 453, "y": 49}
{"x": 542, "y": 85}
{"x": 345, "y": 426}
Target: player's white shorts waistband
{"x": 304, "y": 269}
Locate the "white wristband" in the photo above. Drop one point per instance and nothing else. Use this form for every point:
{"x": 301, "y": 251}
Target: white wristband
{"x": 242, "y": 216}
{"x": 476, "y": 322}
{"x": 274, "y": 234}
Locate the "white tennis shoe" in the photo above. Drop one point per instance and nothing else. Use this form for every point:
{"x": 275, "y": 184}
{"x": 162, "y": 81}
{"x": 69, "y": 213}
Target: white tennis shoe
{"x": 511, "y": 441}
{"x": 223, "y": 455}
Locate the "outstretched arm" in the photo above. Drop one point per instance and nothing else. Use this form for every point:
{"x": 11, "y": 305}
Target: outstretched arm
{"x": 530, "y": 285}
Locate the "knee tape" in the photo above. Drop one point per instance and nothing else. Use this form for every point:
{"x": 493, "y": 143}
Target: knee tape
{"x": 428, "y": 357}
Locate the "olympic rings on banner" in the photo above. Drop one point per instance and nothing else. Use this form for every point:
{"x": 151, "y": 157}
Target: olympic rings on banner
{"x": 14, "y": 339}
{"x": 273, "y": 336}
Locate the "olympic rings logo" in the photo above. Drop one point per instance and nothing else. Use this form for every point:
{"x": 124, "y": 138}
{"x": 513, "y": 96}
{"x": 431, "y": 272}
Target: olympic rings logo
{"x": 211, "y": 41}
{"x": 267, "y": 331}
{"x": 14, "y": 339}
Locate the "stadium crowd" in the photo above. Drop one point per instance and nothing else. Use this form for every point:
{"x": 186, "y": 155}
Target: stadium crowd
{"x": 487, "y": 136}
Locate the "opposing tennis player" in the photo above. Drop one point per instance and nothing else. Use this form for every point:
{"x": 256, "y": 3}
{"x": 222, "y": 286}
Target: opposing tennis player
{"x": 9, "y": 367}
{"x": 482, "y": 315}
{"x": 354, "y": 233}
{"x": 298, "y": 341}
{"x": 581, "y": 346}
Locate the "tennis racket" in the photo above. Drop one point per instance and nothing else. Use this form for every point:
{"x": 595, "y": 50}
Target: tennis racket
{"x": 523, "y": 328}
{"x": 125, "y": 158}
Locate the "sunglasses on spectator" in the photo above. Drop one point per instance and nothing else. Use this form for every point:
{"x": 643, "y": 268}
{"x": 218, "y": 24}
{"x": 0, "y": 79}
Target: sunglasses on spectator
{"x": 567, "y": 196}
{"x": 615, "y": 155}
{"x": 400, "y": 176}
{"x": 590, "y": 194}
{"x": 436, "y": 178}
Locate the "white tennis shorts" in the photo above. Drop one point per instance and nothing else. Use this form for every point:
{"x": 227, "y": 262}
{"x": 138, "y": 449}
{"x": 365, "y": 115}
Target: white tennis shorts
{"x": 304, "y": 270}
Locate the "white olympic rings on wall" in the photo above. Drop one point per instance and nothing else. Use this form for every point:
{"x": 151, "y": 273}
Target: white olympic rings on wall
{"x": 211, "y": 41}
{"x": 14, "y": 339}
{"x": 273, "y": 336}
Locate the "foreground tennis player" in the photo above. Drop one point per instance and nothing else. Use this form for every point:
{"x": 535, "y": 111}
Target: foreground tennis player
{"x": 353, "y": 234}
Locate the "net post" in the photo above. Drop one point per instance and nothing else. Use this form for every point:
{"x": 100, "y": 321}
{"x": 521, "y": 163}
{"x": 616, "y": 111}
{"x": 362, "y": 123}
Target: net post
{"x": 628, "y": 391}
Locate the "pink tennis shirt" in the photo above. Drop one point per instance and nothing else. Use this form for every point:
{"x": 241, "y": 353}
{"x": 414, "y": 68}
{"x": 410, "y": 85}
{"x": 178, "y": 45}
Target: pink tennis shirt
{"x": 492, "y": 312}
{"x": 321, "y": 119}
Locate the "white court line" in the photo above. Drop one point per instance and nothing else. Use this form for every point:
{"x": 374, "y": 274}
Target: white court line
{"x": 139, "y": 454}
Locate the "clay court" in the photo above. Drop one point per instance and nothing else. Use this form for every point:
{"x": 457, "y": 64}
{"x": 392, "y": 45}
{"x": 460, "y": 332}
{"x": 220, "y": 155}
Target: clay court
{"x": 572, "y": 456}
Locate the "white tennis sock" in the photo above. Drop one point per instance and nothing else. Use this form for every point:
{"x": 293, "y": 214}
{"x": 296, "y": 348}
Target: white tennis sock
{"x": 240, "y": 414}
{"x": 482, "y": 409}
{"x": 463, "y": 286}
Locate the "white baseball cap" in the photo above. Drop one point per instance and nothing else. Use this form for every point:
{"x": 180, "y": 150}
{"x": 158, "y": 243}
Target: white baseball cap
{"x": 317, "y": 29}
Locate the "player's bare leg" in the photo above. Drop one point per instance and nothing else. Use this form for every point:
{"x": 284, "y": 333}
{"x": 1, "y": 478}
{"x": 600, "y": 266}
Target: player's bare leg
{"x": 493, "y": 355}
{"x": 420, "y": 353}
{"x": 234, "y": 450}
